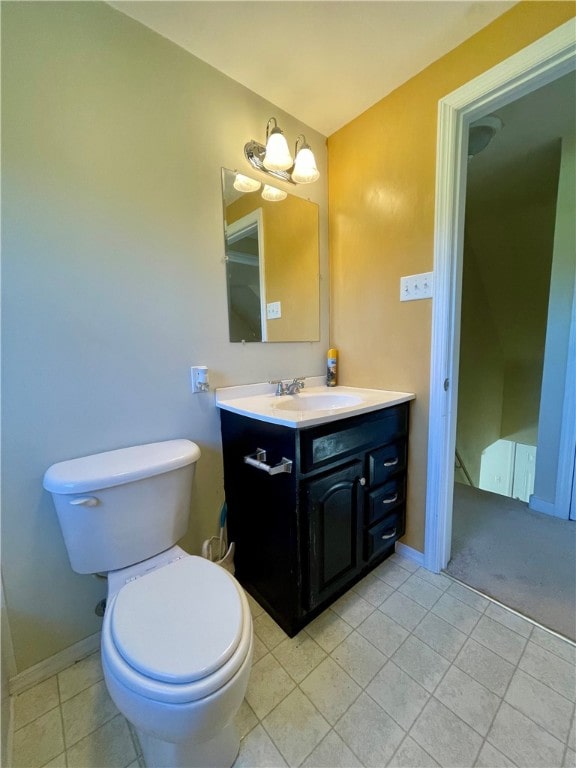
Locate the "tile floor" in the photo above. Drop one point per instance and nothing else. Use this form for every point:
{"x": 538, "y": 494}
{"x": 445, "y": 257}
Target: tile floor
{"x": 407, "y": 669}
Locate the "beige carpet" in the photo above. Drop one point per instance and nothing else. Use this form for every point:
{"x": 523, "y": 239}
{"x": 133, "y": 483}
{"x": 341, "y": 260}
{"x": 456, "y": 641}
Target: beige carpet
{"x": 523, "y": 559}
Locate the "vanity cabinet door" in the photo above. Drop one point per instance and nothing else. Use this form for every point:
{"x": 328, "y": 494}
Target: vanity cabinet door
{"x": 332, "y": 505}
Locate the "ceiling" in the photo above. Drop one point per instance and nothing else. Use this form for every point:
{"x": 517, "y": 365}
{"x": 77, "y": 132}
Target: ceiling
{"x": 326, "y": 61}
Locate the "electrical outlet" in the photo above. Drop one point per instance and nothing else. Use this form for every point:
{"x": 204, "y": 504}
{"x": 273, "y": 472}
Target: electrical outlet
{"x": 273, "y": 310}
{"x": 415, "y": 287}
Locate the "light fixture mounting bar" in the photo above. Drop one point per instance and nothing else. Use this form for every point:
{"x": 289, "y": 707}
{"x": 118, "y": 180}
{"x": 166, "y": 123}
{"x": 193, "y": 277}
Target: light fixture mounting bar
{"x": 254, "y": 153}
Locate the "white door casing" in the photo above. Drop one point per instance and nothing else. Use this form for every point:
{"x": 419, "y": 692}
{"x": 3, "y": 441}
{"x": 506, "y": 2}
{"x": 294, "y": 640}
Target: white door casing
{"x": 545, "y": 60}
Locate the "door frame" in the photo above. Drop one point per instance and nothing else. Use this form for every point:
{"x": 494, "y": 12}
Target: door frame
{"x": 538, "y": 64}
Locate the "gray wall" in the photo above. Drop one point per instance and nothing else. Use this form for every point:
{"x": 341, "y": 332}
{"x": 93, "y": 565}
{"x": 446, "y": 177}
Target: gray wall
{"x": 113, "y": 277}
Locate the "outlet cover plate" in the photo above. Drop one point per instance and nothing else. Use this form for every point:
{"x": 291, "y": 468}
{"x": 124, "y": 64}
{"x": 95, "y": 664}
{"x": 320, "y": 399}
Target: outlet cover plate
{"x": 273, "y": 310}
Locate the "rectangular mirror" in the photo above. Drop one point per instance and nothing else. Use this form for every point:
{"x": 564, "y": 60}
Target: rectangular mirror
{"x": 272, "y": 264}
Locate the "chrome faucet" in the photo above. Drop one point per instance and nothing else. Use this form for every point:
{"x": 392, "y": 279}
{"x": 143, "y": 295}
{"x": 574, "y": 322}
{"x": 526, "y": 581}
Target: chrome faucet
{"x": 288, "y": 389}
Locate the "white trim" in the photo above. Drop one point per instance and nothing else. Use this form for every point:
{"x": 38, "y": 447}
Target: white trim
{"x": 410, "y": 554}
{"x": 534, "y": 66}
{"x": 536, "y": 504}
{"x": 51, "y": 666}
{"x": 567, "y": 447}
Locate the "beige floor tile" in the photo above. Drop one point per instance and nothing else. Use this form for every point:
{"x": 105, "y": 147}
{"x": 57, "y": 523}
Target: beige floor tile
{"x": 398, "y": 694}
{"x": 563, "y": 648}
{"x": 35, "y": 701}
{"x": 403, "y": 610}
{"x": 391, "y": 573}
{"x": 444, "y": 736}
{"x": 352, "y": 608}
{"x": 440, "y": 636}
{"x": 110, "y": 746}
{"x": 80, "y": 676}
{"x": 255, "y": 607}
{"x": 522, "y": 741}
{"x": 373, "y": 590}
{"x": 486, "y": 667}
{"x": 258, "y": 649}
{"x": 359, "y": 658}
{"x": 384, "y": 633}
{"x": 268, "y": 631}
{"x": 403, "y": 562}
{"x": 550, "y": 669}
{"x": 330, "y": 689}
{"x": 57, "y": 762}
{"x": 328, "y": 630}
{"x": 299, "y": 655}
{"x": 570, "y": 759}
{"x": 510, "y": 619}
{"x": 257, "y": 750}
{"x": 541, "y": 704}
{"x": 490, "y": 757}
{"x": 296, "y": 727}
{"x": 245, "y": 719}
{"x": 39, "y": 741}
{"x": 422, "y": 592}
{"x": 371, "y": 734}
{"x": 572, "y": 736}
{"x": 457, "y": 613}
{"x": 422, "y": 663}
{"x": 468, "y": 596}
{"x": 268, "y": 685}
{"x": 468, "y": 699}
{"x": 438, "y": 580}
{"x": 332, "y": 752}
{"x": 411, "y": 755}
{"x": 498, "y": 638}
{"x": 86, "y": 712}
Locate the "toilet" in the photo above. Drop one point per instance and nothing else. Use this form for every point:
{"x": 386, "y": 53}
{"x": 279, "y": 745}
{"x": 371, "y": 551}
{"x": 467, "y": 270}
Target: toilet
{"x": 177, "y": 633}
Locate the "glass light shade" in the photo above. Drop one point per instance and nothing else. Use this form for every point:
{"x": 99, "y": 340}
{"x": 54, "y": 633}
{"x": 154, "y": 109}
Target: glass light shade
{"x": 305, "y": 171}
{"x": 245, "y": 183}
{"x": 277, "y": 157}
{"x": 273, "y": 194}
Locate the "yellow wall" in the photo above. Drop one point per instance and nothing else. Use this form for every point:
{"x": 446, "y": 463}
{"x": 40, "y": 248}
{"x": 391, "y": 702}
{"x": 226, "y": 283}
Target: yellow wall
{"x": 381, "y": 203}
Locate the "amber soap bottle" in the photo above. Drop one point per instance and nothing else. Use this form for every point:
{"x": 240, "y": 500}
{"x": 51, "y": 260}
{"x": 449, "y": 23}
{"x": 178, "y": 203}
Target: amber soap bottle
{"x": 332, "y": 368}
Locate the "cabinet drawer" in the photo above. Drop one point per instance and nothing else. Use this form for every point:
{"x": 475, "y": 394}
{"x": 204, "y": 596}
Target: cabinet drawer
{"x": 332, "y": 442}
{"x": 386, "y": 461}
{"x": 383, "y": 535}
{"x": 385, "y": 499}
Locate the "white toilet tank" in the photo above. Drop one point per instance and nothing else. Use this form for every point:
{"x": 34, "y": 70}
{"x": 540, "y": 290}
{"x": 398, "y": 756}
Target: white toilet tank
{"x": 124, "y": 506}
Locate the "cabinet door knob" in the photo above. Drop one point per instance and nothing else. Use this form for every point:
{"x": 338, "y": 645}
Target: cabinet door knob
{"x": 389, "y": 535}
{"x": 391, "y": 500}
{"x": 362, "y": 481}
{"x": 391, "y": 463}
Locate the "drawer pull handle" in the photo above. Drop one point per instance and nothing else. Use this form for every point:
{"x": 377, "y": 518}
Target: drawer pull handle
{"x": 258, "y": 460}
{"x": 389, "y": 535}
{"x": 391, "y": 463}
{"x": 391, "y": 500}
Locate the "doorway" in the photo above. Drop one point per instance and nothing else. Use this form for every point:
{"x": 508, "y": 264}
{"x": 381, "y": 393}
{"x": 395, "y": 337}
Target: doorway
{"x": 544, "y": 61}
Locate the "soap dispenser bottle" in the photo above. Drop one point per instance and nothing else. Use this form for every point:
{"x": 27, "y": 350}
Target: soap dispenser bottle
{"x": 332, "y": 368}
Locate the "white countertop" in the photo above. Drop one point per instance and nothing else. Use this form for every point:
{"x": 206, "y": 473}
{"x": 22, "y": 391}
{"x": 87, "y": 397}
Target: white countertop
{"x": 258, "y": 401}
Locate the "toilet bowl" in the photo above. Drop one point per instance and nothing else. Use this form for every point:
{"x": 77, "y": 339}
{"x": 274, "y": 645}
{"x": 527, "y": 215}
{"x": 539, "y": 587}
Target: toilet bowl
{"x": 176, "y": 654}
{"x": 177, "y": 633}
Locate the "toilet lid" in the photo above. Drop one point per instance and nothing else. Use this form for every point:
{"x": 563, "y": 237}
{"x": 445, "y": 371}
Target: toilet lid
{"x": 179, "y": 623}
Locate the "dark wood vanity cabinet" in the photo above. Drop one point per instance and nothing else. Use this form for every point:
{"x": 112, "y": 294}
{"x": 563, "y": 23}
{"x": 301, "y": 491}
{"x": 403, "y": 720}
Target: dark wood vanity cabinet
{"x": 304, "y": 537}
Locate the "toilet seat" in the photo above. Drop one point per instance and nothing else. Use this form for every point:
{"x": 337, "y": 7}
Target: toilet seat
{"x": 177, "y": 633}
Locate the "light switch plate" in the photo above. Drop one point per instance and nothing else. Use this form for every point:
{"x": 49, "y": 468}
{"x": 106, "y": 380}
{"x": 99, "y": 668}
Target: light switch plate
{"x": 273, "y": 310}
{"x": 414, "y": 287}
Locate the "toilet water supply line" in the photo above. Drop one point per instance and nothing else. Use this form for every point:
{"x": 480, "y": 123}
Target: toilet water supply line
{"x": 223, "y": 556}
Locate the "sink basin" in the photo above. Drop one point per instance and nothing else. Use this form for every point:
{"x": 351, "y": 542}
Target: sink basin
{"x": 316, "y": 402}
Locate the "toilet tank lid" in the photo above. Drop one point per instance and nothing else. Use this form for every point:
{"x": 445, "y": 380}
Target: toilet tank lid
{"x": 124, "y": 465}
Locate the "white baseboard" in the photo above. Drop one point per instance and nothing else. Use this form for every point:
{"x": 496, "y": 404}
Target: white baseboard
{"x": 410, "y": 554}
{"x": 51, "y": 666}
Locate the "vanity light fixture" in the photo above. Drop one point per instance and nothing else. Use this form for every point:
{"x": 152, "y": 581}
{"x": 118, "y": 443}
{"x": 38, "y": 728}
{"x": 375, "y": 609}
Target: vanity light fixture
{"x": 246, "y": 184}
{"x": 275, "y": 158}
{"x": 273, "y": 194}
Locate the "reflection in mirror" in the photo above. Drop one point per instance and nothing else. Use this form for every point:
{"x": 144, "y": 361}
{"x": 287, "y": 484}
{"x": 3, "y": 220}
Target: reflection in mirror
{"x": 272, "y": 266}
